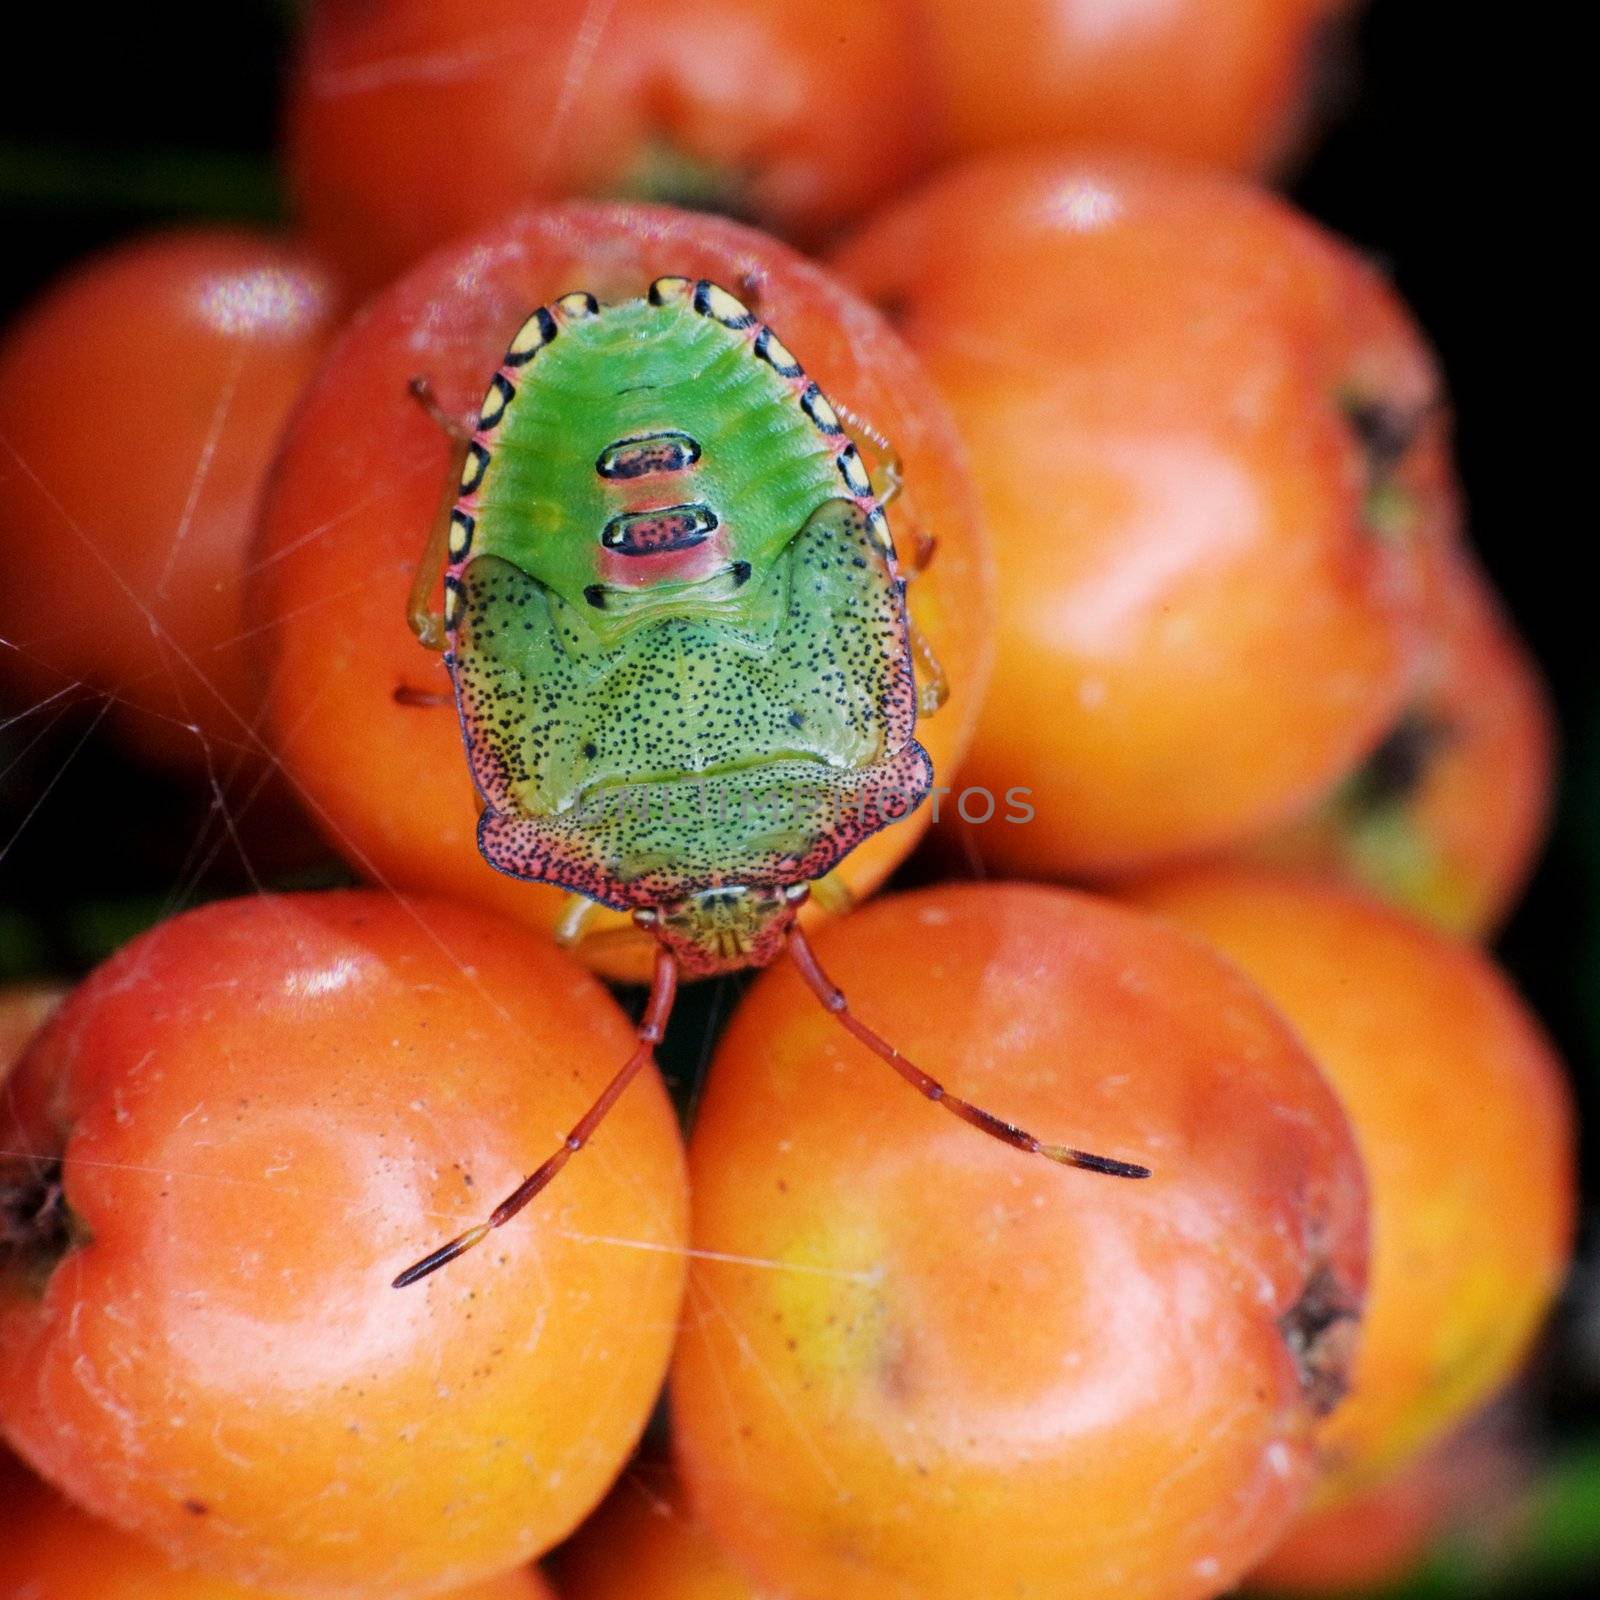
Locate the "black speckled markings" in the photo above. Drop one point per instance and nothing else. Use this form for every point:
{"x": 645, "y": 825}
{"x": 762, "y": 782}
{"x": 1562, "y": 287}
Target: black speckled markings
{"x": 809, "y": 693}
{"x": 654, "y": 533}
{"x": 825, "y": 709}
{"x": 646, "y": 454}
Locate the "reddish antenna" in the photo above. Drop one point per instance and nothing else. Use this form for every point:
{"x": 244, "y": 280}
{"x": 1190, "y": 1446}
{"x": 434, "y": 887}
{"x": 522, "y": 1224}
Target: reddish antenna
{"x": 833, "y": 1000}
{"x": 663, "y": 990}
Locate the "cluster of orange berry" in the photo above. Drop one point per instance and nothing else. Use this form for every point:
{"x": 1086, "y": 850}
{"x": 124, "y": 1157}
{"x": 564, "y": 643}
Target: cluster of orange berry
{"x": 1176, "y": 464}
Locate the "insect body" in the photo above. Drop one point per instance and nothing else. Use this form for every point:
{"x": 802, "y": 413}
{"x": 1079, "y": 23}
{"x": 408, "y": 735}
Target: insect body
{"x": 677, "y": 632}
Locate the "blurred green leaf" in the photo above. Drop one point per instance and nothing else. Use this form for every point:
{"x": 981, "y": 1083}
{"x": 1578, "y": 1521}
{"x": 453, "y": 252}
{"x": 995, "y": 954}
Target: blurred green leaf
{"x": 96, "y": 929}
{"x": 191, "y": 182}
{"x": 1548, "y": 1544}
{"x": 23, "y": 949}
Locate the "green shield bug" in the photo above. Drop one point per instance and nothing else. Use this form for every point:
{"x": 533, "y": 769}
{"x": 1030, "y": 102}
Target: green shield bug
{"x": 676, "y": 628}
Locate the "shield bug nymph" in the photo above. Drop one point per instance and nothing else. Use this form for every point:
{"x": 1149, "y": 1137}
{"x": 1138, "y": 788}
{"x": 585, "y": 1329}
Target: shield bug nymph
{"x": 676, "y": 628}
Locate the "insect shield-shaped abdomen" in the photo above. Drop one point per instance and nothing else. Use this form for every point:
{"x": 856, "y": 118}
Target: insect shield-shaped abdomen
{"x": 680, "y": 651}
{"x": 678, "y": 635}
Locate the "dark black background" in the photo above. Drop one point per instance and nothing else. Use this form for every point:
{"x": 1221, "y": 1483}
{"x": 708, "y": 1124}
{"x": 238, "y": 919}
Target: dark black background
{"x": 1436, "y": 160}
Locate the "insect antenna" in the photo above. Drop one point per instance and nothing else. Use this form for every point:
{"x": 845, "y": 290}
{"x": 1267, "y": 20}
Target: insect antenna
{"x": 420, "y": 699}
{"x": 833, "y": 1000}
{"x": 663, "y": 990}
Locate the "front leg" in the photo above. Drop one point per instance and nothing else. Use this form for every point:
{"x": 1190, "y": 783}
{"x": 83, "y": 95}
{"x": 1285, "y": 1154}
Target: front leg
{"x": 833, "y": 894}
{"x": 426, "y": 622}
{"x": 577, "y": 912}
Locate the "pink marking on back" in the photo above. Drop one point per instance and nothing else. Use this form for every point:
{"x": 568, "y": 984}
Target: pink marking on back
{"x": 669, "y": 566}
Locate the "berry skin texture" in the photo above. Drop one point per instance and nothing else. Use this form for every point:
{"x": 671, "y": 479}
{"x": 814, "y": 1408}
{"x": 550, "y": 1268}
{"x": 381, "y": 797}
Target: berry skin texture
{"x": 1365, "y": 1544}
{"x": 959, "y": 1369}
{"x": 1208, "y": 440}
{"x": 257, "y": 1114}
{"x": 1471, "y": 1491}
{"x": 644, "y": 1540}
{"x": 359, "y": 483}
{"x": 1466, "y": 1125}
{"x": 1445, "y": 819}
{"x": 49, "y": 1550}
{"x": 1221, "y": 85}
{"x": 141, "y": 398}
{"x": 418, "y": 120}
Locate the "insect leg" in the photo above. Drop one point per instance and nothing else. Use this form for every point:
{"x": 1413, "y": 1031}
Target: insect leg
{"x": 453, "y": 429}
{"x": 662, "y": 992}
{"x": 426, "y": 622}
{"x": 934, "y": 688}
{"x": 575, "y": 926}
{"x": 833, "y": 894}
{"x": 889, "y": 462}
{"x": 894, "y": 475}
{"x": 421, "y": 699}
{"x": 577, "y": 911}
{"x": 832, "y": 998}
{"x": 927, "y": 548}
